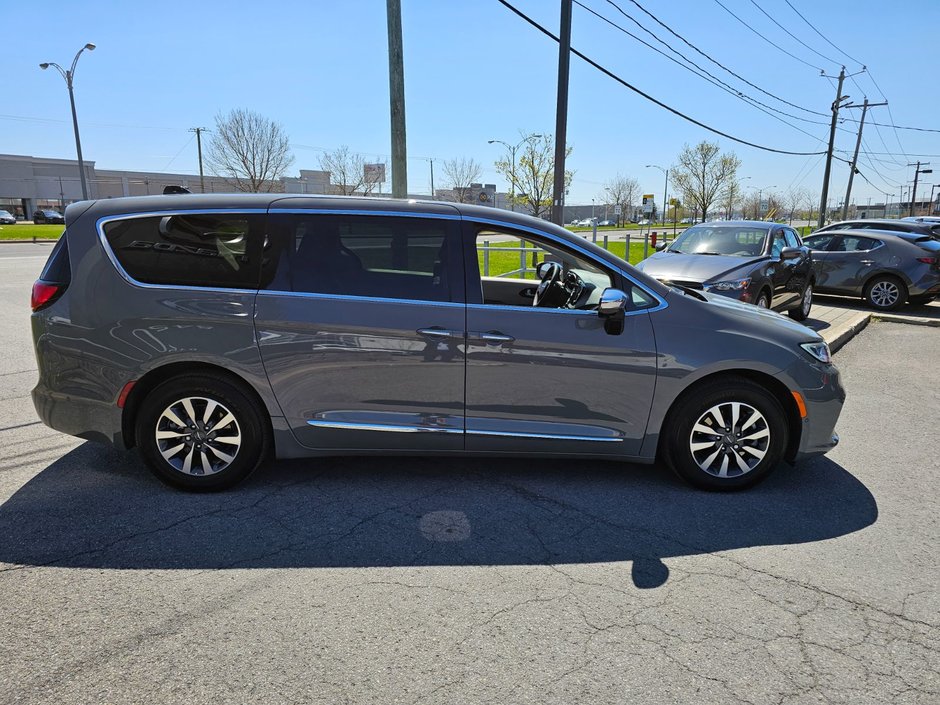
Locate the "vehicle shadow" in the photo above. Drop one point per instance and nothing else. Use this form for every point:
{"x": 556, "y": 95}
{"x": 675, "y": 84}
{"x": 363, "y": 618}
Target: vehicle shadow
{"x": 99, "y": 508}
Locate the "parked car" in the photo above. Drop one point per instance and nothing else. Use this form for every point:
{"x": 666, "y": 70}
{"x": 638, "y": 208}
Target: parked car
{"x": 645, "y": 221}
{"x": 929, "y": 219}
{"x": 607, "y": 223}
{"x": 7, "y": 218}
{"x": 762, "y": 263}
{"x": 211, "y": 330}
{"x": 47, "y": 216}
{"x": 886, "y": 269}
{"x": 885, "y": 224}
{"x": 586, "y": 222}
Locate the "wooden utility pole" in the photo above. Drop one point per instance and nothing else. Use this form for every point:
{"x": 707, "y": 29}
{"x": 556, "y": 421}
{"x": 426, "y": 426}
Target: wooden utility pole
{"x": 202, "y": 178}
{"x": 396, "y": 86}
{"x": 561, "y": 114}
{"x": 917, "y": 172}
{"x": 832, "y": 139}
{"x": 853, "y": 167}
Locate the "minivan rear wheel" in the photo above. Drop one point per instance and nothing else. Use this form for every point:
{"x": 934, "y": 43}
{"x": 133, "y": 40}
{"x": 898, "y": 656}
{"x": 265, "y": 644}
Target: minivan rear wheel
{"x": 201, "y": 433}
{"x": 730, "y": 434}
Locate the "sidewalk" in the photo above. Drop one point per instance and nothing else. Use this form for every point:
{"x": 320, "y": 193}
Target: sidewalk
{"x": 839, "y": 319}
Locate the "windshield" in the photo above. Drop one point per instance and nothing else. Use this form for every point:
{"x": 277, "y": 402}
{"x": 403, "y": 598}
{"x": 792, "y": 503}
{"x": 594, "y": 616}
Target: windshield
{"x": 730, "y": 240}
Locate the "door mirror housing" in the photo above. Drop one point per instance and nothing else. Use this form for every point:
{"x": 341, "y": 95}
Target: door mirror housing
{"x": 661, "y": 245}
{"x": 790, "y": 253}
{"x": 542, "y": 268}
{"x": 610, "y": 309}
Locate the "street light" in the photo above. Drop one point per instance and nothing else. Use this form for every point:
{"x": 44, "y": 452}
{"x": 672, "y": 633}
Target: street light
{"x": 69, "y": 77}
{"x": 665, "y": 187}
{"x": 512, "y": 153}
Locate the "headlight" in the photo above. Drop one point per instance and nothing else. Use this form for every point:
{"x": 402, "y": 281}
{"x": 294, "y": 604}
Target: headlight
{"x": 818, "y": 350}
{"x": 731, "y": 285}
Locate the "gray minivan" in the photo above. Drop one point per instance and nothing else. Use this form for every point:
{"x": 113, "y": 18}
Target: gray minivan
{"x": 210, "y": 331}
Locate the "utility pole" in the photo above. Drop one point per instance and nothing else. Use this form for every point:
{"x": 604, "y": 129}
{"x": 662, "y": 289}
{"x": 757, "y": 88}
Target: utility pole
{"x": 832, "y": 138}
{"x": 202, "y": 178}
{"x": 561, "y": 114}
{"x": 917, "y": 172}
{"x": 396, "y": 86}
{"x": 853, "y": 167}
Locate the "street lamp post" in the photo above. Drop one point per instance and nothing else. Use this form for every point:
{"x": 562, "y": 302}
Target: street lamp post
{"x": 665, "y": 187}
{"x": 69, "y": 77}
{"x": 512, "y": 156}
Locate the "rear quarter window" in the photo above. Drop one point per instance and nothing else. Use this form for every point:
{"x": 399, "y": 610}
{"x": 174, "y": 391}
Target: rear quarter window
{"x": 205, "y": 250}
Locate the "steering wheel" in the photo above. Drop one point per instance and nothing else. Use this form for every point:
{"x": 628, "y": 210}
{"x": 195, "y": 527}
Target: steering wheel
{"x": 551, "y": 291}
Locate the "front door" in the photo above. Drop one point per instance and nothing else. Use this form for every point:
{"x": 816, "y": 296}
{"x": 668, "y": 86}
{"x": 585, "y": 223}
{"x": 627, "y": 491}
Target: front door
{"x": 551, "y": 378}
{"x": 360, "y": 322}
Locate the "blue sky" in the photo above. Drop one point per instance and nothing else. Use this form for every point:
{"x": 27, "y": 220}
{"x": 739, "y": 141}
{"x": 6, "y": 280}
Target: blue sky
{"x": 473, "y": 72}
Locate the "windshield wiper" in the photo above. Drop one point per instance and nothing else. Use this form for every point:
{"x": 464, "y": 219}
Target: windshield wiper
{"x": 688, "y": 291}
{"x": 710, "y": 253}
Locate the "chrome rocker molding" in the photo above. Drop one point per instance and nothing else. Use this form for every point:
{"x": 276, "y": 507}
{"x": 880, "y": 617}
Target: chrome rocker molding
{"x": 348, "y": 426}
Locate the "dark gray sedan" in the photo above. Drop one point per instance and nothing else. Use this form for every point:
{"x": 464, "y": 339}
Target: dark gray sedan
{"x": 886, "y": 269}
{"x": 765, "y": 264}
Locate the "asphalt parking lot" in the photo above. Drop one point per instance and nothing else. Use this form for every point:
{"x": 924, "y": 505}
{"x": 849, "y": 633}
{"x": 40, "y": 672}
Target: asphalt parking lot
{"x": 411, "y": 580}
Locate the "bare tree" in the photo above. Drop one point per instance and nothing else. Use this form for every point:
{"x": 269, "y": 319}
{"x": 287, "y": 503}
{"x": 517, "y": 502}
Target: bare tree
{"x": 731, "y": 197}
{"x": 703, "y": 174}
{"x": 623, "y": 191}
{"x": 249, "y": 150}
{"x": 460, "y": 173}
{"x": 531, "y": 174}
{"x": 793, "y": 200}
{"x": 347, "y": 172}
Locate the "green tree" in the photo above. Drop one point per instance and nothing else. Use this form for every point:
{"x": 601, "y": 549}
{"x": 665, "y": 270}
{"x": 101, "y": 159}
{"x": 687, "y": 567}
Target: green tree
{"x": 531, "y": 173}
{"x": 703, "y": 175}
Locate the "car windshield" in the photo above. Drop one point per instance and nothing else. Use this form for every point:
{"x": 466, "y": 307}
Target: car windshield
{"x": 52, "y": 214}
{"x": 730, "y": 240}
{"x": 6, "y": 213}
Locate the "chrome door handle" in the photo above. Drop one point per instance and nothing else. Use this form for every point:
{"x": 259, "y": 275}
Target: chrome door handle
{"x": 492, "y": 337}
{"x": 439, "y": 333}
{"x": 867, "y": 261}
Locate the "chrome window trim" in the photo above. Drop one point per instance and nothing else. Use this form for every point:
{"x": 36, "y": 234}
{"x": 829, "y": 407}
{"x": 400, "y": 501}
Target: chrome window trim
{"x": 547, "y": 436}
{"x": 353, "y": 297}
{"x": 106, "y": 246}
{"x": 352, "y": 426}
{"x": 574, "y": 246}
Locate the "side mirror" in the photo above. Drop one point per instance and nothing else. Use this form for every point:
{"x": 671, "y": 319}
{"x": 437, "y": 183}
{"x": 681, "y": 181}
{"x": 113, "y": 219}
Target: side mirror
{"x": 542, "y": 269}
{"x": 610, "y": 308}
{"x": 790, "y": 253}
{"x": 661, "y": 245}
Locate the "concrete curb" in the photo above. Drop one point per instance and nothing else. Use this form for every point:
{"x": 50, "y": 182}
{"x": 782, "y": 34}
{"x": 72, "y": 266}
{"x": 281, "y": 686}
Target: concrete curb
{"x": 25, "y": 241}
{"x": 839, "y": 336}
{"x": 909, "y": 320}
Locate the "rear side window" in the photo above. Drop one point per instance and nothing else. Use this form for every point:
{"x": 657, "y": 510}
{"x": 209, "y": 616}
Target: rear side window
{"x": 850, "y": 243}
{"x": 818, "y": 242}
{"x": 375, "y": 256}
{"x": 208, "y": 249}
{"x": 57, "y": 269}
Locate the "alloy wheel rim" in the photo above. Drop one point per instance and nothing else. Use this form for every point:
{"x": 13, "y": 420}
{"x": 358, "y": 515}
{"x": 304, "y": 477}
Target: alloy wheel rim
{"x": 807, "y": 300}
{"x": 730, "y": 439}
{"x": 762, "y": 301}
{"x": 198, "y": 436}
{"x": 884, "y": 294}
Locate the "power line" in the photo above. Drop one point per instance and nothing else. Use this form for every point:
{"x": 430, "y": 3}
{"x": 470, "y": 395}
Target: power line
{"x": 769, "y": 41}
{"x": 709, "y": 77}
{"x": 650, "y": 98}
{"x": 793, "y": 36}
{"x": 714, "y": 61}
{"x": 821, "y": 34}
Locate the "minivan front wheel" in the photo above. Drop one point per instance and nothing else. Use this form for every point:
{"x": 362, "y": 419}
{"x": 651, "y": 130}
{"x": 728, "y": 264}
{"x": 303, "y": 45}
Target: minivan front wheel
{"x": 729, "y": 434}
{"x": 201, "y": 433}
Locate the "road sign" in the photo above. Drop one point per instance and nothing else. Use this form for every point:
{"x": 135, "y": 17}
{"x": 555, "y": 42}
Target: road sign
{"x": 648, "y": 200}
{"x": 617, "y": 209}
{"x": 373, "y": 173}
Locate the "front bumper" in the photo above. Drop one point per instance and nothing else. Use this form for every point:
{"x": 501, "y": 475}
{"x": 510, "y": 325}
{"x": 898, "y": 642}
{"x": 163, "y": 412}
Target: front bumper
{"x": 820, "y": 385}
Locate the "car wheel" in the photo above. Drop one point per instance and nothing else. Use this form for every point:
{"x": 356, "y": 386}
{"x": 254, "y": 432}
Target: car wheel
{"x": 763, "y": 300}
{"x": 885, "y": 293}
{"x": 728, "y": 435}
{"x": 801, "y": 312}
{"x": 202, "y": 432}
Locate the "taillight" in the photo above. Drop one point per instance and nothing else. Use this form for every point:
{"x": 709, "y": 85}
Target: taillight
{"x": 928, "y": 260}
{"x": 44, "y": 293}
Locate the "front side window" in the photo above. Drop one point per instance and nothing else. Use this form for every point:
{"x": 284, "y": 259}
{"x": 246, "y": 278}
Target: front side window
{"x": 728, "y": 240}
{"x": 207, "y": 249}
{"x": 791, "y": 238}
{"x": 778, "y": 244}
{"x": 509, "y": 263}
{"x": 364, "y": 255}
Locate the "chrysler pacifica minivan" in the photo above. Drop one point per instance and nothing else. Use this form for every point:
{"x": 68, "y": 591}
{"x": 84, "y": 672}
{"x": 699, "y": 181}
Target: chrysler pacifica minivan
{"x": 211, "y": 331}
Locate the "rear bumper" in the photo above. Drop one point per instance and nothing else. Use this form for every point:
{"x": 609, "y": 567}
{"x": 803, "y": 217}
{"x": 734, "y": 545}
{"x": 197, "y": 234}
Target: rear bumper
{"x": 84, "y": 418}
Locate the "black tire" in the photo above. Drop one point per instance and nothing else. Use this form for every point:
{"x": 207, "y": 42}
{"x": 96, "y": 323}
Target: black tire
{"x": 801, "y": 312}
{"x": 251, "y": 425}
{"x": 878, "y": 293}
{"x": 677, "y": 437}
{"x": 921, "y": 300}
{"x": 764, "y": 297}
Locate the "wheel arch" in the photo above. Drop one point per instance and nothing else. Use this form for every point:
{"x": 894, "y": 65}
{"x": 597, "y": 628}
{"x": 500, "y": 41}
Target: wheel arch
{"x": 773, "y": 385}
{"x": 157, "y": 376}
